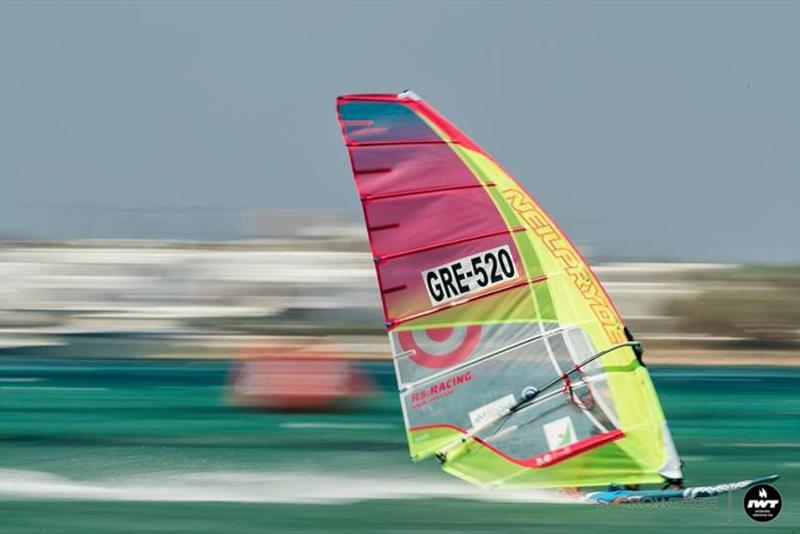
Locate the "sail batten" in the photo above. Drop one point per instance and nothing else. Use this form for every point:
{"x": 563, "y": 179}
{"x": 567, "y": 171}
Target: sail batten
{"x": 397, "y": 143}
{"x": 486, "y": 300}
{"x": 447, "y": 243}
{"x": 428, "y": 191}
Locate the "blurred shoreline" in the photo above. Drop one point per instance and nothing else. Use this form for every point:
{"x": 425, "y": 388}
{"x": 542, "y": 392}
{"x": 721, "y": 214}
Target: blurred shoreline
{"x": 315, "y": 290}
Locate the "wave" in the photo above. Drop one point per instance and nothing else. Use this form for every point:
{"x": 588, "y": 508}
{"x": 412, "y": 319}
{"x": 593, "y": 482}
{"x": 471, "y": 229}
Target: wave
{"x": 248, "y": 487}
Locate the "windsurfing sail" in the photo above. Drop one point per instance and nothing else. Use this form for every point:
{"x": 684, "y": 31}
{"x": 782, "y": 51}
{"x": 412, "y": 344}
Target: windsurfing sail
{"x": 513, "y": 365}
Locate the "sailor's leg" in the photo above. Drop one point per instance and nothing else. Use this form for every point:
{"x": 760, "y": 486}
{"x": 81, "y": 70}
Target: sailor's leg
{"x": 671, "y": 469}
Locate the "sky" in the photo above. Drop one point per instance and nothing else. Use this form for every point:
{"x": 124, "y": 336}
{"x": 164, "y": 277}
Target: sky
{"x": 659, "y": 131}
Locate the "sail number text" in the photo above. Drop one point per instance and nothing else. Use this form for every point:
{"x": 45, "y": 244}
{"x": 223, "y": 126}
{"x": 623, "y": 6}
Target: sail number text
{"x": 471, "y": 274}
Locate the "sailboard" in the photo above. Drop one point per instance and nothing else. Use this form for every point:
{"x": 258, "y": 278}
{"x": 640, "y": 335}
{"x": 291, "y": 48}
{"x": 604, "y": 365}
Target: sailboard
{"x": 514, "y": 367}
{"x": 623, "y": 496}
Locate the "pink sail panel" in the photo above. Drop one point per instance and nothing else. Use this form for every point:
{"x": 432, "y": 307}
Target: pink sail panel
{"x": 434, "y": 231}
{"x": 388, "y": 169}
{"x": 422, "y": 219}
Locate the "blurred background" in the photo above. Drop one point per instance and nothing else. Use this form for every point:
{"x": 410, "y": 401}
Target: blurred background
{"x": 190, "y": 331}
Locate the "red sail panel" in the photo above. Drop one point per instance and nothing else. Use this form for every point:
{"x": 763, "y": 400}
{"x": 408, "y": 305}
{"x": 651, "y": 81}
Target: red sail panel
{"x": 424, "y": 209}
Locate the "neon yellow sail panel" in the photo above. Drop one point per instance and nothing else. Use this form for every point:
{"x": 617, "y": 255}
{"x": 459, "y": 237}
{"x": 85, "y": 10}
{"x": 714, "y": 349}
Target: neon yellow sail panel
{"x": 513, "y": 365}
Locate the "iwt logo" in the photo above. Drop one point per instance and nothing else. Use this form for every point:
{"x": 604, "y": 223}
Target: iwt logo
{"x": 762, "y": 503}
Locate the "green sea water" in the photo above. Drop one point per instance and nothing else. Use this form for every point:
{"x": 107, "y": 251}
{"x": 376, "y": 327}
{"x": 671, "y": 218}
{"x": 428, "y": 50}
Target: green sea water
{"x": 151, "y": 446}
